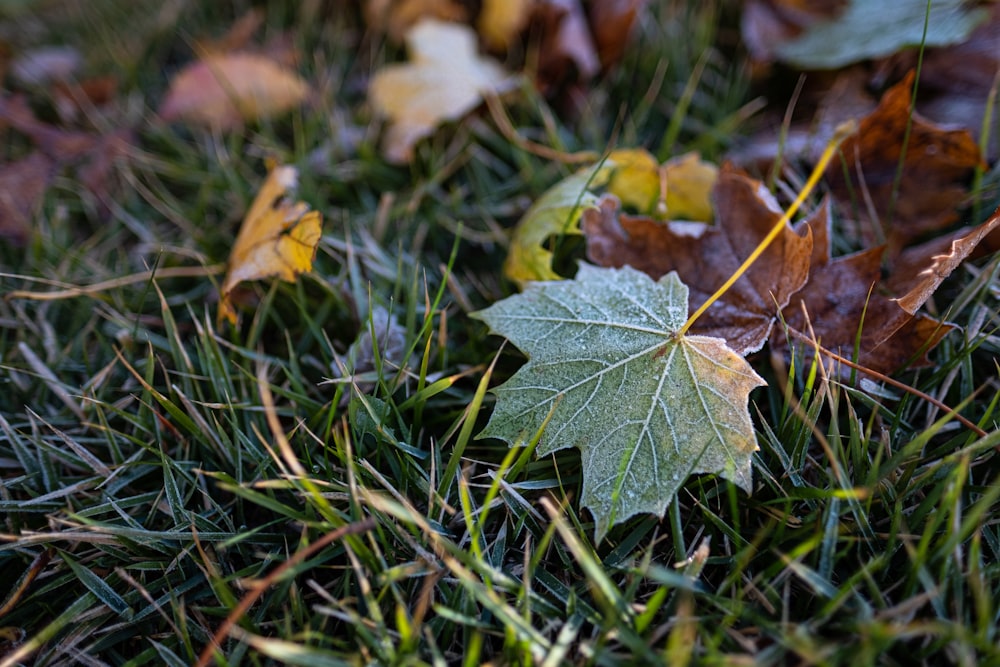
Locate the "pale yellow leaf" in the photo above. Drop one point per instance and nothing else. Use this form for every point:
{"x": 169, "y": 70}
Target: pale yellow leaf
{"x": 444, "y": 80}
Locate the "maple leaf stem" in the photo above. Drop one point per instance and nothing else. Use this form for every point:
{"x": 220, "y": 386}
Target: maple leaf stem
{"x": 843, "y": 131}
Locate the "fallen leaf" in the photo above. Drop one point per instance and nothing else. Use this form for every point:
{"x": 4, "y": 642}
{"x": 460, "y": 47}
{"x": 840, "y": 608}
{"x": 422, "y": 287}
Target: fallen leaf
{"x": 223, "y": 91}
{"x": 445, "y": 80}
{"x": 23, "y": 182}
{"x": 74, "y": 101}
{"x": 939, "y": 162}
{"x": 278, "y": 238}
{"x": 918, "y": 271}
{"x": 845, "y": 296}
{"x": 555, "y": 214}
{"x": 566, "y": 54}
{"x": 608, "y": 374}
{"x": 705, "y": 256}
{"x": 956, "y": 81}
{"x": 611, "y": 22}
{"x": 44, "y": 65}
{"x": 500, "y": 22}
{"x": 678, "y": 189}
{"x": 376, "y": 355}
{"x": 397, "y": 17}
{"x": 767, "y": 24}
{"x": 868, "y": 29}
{"x": 59, "y": 144}
{"x": 22, "y": 185}
{"x": 632, "y": 175}
{"x": 842, "y": 299}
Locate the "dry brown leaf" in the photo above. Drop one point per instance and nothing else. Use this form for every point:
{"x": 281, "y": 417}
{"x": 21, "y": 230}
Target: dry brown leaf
{"x": 611, "y": 22}
{"x": 59, "y": 144}
{"x": 445, "y": 79}
{"x": 705, "y": 256}
{"x": 955, "y": 81}
{"x": 397, "y": 17}
{"x": 844, "y": 296}
{"x": 223, "y": 91}
{"x": 939, "y": 162}
{"x": 22, "y": 185}
{"x": 840, "y": 299}
{"x": 566, "y": 47}
{"x": 24, "y": 181}
{"x": 278, "y": 238}
{"x": 919, "y": 270}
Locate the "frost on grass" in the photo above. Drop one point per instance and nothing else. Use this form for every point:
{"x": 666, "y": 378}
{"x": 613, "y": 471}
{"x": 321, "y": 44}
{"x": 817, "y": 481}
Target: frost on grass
{"x": 645, "y": 406}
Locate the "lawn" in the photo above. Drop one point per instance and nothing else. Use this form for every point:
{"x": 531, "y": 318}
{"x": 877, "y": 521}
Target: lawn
{"x": 308, "y": 487}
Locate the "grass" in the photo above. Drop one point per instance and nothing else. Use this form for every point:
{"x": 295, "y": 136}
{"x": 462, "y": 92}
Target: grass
{"x": 158, "y": 477}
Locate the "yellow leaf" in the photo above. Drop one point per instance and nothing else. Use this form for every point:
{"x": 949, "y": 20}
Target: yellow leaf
{"x": 679, "y": 189}
{"x": 224, "y": 90}
{"x": 636, "y": 181}
{"x": 278, "y": 238}
{"x": 445, "y": 79}
{"x": 689, "y": 187}
{"x": 500, "y": 21}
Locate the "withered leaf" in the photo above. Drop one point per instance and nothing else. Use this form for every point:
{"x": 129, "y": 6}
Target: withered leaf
{"x": 611, "y": 22}
{"x": 22, "y": 185}
{"x": 918, "y": 271}
{"x": 844, "y": 296}
{"x": 445, "y": 79}
{"x": 938, "y": 163}
{"x": 840, "y": 299}
{"x": 24, "y": 181}
{"x": 224, "y": 90}
{"x": 705, "y": 256}
{"x": 566, "y": 46}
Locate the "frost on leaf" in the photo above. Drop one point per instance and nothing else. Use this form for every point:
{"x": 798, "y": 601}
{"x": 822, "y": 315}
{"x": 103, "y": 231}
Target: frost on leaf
{"x": 646, "y": 407}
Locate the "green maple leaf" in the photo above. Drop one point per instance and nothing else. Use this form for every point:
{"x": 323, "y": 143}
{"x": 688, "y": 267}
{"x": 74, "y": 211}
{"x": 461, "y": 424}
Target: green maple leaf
{"x": 646, "y": 407}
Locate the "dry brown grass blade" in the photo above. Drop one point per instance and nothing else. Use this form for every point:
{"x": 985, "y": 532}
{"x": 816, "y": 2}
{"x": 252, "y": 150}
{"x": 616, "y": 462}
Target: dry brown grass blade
{"x": 258, "y": 587}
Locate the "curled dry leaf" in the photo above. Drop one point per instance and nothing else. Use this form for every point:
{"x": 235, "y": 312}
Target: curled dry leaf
{"x": 225, "y": 90}
{"x": 846, "y": 296}
{"x": 705, "y": 256}
{"x": 566, "y": 40}
{"x": 918, "y": 271}
{"x": 956, "y": 81}
{"x": 842, "y": 299}
{"x": 445, "y": 79}
{"x": 278, "y": 238}
{"x": 939, "y": 162}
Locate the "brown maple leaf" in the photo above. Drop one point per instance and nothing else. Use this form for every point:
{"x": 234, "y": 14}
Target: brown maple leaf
{"x": 705, "y": 256}
{"x": 845, "y": 304}
{"x": 24, "y": 181}
{"x": 938, "y": 164}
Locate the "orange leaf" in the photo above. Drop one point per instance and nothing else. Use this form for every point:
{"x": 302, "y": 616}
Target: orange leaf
{"x": 278, "y": 238}
{"x": 223, "y": 90}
